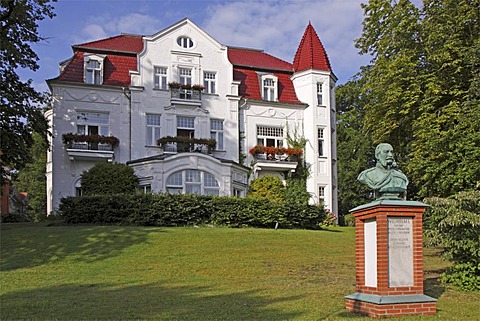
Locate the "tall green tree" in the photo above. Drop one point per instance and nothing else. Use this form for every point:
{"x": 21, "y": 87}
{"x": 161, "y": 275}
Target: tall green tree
{"x": 109, "y": 179}
{"x": 19, "y": 101}
{"x": 445, "y": 154}
{"x": 32, "y": 180}
{"x": 354, "y": 147}
{"x": 391, "y": 36}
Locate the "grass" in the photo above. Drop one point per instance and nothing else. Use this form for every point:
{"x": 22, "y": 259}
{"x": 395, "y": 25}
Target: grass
{"x": 111, "y": 272}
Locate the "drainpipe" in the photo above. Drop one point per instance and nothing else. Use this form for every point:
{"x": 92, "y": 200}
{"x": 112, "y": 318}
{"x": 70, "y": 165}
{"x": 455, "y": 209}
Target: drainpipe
{"x": 128, "y": 94}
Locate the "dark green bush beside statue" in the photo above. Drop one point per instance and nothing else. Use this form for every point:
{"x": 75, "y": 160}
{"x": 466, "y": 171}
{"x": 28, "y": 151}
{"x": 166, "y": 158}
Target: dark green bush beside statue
{"x": 454, "y": 225}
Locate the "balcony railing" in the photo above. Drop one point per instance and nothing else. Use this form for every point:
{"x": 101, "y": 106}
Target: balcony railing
{"x": 185, "y": 94}
{"x": 90, "y": 147}
{"x": 181, "y": 144}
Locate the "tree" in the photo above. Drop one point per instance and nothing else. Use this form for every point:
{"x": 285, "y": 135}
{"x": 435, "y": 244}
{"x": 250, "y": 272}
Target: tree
{"x": 354, "y": 147}
{"x": 19, "y": 101}
{"x": 32, "y": 180}
{"x": 422, "y": 90}
{"x": 109, "y": 179}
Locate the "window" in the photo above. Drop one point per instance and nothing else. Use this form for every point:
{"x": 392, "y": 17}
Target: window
{"x": 192, "y": 182}
{"x": 145, "y": 189}
{"x": 160, "y": 78}
{"x": 93, "y": 72}
{"x": 185, "y": 76}
{"x": 320, "y": 141}
{"x": 237, "y": 192}
{"x": 78, "y": 188}
{"x": 185, "y": 128}
{"x": 269, "y": 89}
{"x": 93, "y": 124}
{"x": 319, "y": 93}
{"x": 270, "y": 136}
{"x": 321, "y": 195}
{"x": 209, "y": 79}
{"x": 185, "y": 42}
{"x": 153, "y": 129}
{"x": 216, "y": 132}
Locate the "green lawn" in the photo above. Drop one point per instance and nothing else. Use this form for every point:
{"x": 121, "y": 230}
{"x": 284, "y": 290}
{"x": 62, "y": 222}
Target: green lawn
{"x": 111, "y": 272}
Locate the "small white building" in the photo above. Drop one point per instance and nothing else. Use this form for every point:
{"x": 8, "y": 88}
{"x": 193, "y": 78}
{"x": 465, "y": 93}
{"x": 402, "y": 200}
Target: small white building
{"x": 116, "y": 97}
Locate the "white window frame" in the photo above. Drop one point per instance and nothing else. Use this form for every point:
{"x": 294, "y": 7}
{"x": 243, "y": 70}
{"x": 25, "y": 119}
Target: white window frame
{"x": 153, "y": 128}
{"x": 321, "y": 194}
{"x": 320, "y": 94}
{"x": 270, "y": 136}
{"x": 216, "y": 132}
{"x": 88, "y": 120}
{"x": 210, "y": 81}
{"x": 192, "y": 181}
{"x": 93, "y": 74}
{"x": 185, "y": 42}
{"x": 160, "y": 77}
{"x": 185, "y": 75}
{"x": 321, "y": 141}
{"x": 269, "y": 84}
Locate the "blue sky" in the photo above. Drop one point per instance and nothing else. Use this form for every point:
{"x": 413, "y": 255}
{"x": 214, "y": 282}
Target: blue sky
{"x": 273, "y": 25}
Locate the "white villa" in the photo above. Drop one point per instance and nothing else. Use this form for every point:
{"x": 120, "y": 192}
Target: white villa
{"x": 157, "y": 102}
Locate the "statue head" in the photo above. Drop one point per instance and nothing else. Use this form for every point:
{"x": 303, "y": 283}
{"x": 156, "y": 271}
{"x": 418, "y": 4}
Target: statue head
{"x": 384, "y": 156}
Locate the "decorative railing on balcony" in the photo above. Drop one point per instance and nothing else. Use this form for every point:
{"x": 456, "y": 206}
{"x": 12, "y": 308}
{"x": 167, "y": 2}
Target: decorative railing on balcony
{"x": 185, "y": 94}
{"x": 179, "y": 144}
{"x": 89, "y": 146}
{"x": 271, "y": 153}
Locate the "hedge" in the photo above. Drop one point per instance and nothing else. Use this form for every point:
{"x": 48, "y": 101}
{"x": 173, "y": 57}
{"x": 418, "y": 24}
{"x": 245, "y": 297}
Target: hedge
{"x": 188, "y": 210}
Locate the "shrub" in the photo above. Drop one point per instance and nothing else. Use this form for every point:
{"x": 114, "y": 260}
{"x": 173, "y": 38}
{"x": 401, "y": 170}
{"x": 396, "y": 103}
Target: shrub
{"x": 267, "y": 187}
{"x": 349, "y": 220}
{"x": 453, "y": 223}
{"x": 188, "y": 210}
{"x": 109, "y": 179}
{"x": 296, "y": 191}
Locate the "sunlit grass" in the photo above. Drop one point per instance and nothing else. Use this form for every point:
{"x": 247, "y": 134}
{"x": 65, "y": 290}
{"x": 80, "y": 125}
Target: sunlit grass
{"x": 111, "y": 272}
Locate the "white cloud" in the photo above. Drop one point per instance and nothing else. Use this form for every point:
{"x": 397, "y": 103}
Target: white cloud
{"x": 277, "y": 27}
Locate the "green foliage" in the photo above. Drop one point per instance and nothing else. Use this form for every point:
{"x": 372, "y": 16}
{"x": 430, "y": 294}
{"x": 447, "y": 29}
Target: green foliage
{"x": 453, "y": 224}
{"x": 33, "y": 181}
{"x": 354, "y": 148}
{"x": 188, "y": 210}
{"x": 296, "y": 191}
{"x": 421, "y": 91}
{"x": 109, "y": 179}
{"x": 267, "y": 187}
{"x": 349, "y": 220}
{"x": 19, "y": 101}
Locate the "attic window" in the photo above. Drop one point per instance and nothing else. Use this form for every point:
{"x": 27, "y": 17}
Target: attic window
{"x": 269, "y": 88}
{"x": 93, "y": 69}
{"x": 185, "y": 42}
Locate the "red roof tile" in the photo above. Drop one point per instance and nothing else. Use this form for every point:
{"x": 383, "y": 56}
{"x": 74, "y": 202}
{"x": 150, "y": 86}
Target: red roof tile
{"x": 122, "y": 43}
{"x": 256, "y": 59}
{"x": 250, "y": 85}
{"x": 116, "y": 69}
{"x": 310, "y": 53}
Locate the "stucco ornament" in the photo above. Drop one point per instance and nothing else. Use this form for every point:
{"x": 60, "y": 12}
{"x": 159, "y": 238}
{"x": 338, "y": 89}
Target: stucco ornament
{"x": 386, "y": 180}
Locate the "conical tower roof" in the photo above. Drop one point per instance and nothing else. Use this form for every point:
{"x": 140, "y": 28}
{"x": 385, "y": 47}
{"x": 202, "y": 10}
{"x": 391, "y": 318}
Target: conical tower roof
{"x": 310, "y": 53}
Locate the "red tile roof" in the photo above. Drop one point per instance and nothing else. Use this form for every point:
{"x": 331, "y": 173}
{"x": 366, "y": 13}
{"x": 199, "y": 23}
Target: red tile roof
{"x": 310, "y": 53}
{"x": 116, "y": 69}
{"x": 256, "y": 59}
{"x": 250, "y": 85}
{"x": 121, "y": 43}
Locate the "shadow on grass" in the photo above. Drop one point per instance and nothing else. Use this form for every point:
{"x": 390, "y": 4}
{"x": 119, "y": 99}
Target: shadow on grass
{"x": 28, "y": 245}
{"x": 150, "y": 301}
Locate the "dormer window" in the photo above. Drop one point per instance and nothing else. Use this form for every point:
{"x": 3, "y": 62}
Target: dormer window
{"x": 93, "y": 69}
{"x": 185, "y": 42}
{"x": 269, "y": 88}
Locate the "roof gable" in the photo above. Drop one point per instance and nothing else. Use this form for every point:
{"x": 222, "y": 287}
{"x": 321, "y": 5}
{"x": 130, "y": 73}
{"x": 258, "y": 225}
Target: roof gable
{"x": 310, "y": 53}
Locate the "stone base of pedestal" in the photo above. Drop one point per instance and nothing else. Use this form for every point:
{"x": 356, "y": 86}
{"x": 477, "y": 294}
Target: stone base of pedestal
{"x": 378, "y": 306}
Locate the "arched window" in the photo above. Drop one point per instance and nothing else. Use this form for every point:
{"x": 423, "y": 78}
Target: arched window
{"x": 185, "y": 42}
{"x": 192, "y": 181}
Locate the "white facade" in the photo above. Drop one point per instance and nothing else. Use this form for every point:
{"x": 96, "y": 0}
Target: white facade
{"x": 95, "y": 94}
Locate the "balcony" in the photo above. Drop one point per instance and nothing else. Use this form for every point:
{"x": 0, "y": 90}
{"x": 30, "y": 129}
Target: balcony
{"x": 275, "y": 159}
{"x": 181, "y": 144}
{"x": 90, "y": 147}
{"x": 186, "y": 94}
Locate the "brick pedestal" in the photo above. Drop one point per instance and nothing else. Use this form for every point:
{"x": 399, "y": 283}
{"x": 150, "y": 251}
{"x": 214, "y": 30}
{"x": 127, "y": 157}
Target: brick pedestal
{"x": 389, "y": 260}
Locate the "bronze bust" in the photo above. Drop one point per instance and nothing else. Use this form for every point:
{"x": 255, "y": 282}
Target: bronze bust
{"x": 386, "y": 180}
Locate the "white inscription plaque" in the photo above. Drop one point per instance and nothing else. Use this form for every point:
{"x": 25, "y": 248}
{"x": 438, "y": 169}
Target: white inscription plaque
{"x": 400, "y": 251}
